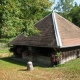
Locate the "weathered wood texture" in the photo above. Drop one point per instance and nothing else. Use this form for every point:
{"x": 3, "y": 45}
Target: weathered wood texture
{"x": 43, "y": 55}
{"x": 68, "y": 54}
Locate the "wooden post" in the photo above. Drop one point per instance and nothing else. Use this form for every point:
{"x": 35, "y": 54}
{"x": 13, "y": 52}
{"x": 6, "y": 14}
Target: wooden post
{"x": 30, "y": 66}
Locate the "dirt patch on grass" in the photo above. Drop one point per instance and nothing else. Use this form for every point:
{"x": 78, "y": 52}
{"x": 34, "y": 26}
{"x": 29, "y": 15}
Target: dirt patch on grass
{"x": 2, "y": 55}
{"x": 37, "y": 74}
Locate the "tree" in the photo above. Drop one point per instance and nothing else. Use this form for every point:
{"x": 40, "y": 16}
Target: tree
{"x": 72, "y": 14}
{"x": 10, "y": 20}
{"x": 75, "y": 15}
{"x": 0, "y": 18}
{"x": 64, "y": 5}
{"x": 20, "y": 15}
{"x": 33, "y": 11}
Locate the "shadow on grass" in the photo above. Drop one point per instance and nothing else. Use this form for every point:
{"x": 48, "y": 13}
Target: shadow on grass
{"x": 22, "y": 70}
{"x": 23, "y": 63}
{"x": 10, "y": 60}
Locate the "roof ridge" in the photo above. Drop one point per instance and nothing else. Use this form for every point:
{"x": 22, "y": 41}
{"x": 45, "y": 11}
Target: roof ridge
{"x": 58, "y": 38}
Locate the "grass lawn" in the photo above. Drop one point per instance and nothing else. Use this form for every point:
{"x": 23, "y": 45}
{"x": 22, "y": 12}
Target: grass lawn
{"x": 4, "y": 48}
{"x": 15, "y": 70}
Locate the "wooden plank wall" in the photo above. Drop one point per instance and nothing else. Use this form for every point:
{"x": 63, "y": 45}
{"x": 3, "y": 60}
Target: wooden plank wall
{"x": 68, "y": 54}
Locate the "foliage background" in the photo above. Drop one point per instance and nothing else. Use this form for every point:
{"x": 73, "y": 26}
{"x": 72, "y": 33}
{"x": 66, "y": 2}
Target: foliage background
{"x": 17, "y": 16}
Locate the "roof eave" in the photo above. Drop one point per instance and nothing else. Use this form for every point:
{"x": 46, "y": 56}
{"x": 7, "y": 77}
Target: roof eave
{"x": 14, "y": 39}
{"x": 70, "y": 46}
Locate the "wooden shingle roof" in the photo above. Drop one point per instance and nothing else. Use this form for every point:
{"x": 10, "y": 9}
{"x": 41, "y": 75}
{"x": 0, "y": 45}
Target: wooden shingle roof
{"x": 69, "y": 33}
{"x": 56, "y": 31}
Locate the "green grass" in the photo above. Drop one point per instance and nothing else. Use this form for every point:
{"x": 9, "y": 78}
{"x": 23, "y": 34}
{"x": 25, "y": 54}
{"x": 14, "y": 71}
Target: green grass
{"x": 72, "y": 66}
{"x": 9, "y": 62}
{"x": 14, "y": 70}
{"x": 4, "y": 48}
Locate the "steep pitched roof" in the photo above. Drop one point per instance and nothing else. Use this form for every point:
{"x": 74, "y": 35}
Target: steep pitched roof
{"x": 45, "y": 39}
{"x": 56, "y": 31}
{"x": 69, "y": 33}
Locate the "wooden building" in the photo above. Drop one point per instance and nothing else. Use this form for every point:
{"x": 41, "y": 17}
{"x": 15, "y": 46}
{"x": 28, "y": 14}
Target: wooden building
{"x": 58, "y": 42}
